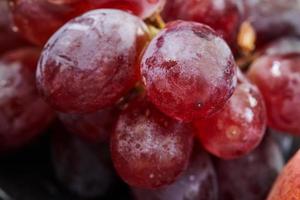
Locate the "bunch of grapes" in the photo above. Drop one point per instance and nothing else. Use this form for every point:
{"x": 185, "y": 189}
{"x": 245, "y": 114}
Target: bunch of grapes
{"x": 181, "y": 100}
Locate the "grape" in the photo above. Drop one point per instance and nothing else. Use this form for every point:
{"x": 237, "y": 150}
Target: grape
{"x": 93, "y": 127}
{"x": 85, "y": 169}
{"x": 9, "y": 40}
{"x": 37, "y": 20}
{"x": 239, "y": 127}
{"x": 149, "y": 149}
{"x": 285, "y": 45}
{"x": 141, "y": 8}
{"x": 188, "y": 71}
{"x": 92, "y": 61}
{"x": 252, "y": 176}
{"x": 50, "y": 15}
{"x": 278, "y": 78}
{"x": 286, "y": 186}
{"x": 273, "y": 18}
{"x": 225, "y": 16}
{"x": 199, "y": 182}
{"x": 23, "y": 115}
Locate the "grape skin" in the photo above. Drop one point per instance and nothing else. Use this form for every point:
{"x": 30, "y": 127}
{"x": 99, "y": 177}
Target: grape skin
{"x": 23, "y": 114}
{"x": 285, "y": 45}
{"x": 50, "y": 15}
{"x": 224, "y": 16}
{"x": 239, "y": 127}
{"x": 81, "y": 70}
{"x": 199, "y": 182}
{"x": 278, "y": 78}
{"x": 141, "y": 8}
{"x": 149, "y": 149}
{"x": 9, "y": 40}
{"x": 272, "y": 19}
{"x": 188, "y": 71}
{"x": 252, "y": 176}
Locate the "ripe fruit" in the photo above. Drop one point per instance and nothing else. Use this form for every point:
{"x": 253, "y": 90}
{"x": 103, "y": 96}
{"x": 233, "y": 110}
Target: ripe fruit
{"x": 92, "y": 61}
{"x": 199, "y": 182}
{"x": 83, "y": 168}
{"x": 224, "y": 16}
{"x": 188, "y": 71}
{"x": 23, "y": 114}
{"x": 278, "y": 78}
{"x": 273, "y": 18}
{"x": 9, "y": 40}
{"x": 285, "y": 45}
{"x": 94, "y": 127}
{"x": 141, "y": 8}
{"x": 286, "y": 186}
{"x": 239, "y": 127}
{"x": 149, "y": 149}
{"x": 37, "y": 20}
{"x": 252, "y": 176}
{"x": 50, "y": 15}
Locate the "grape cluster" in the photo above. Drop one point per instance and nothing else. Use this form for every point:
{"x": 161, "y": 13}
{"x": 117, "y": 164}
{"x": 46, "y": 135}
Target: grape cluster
{"x": 181, "y": 111}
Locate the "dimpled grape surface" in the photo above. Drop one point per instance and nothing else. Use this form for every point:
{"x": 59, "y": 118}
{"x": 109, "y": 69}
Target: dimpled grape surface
{"x": 239, "y": 127}
{"x": 23, "y": 114}
{"x": 189, "y": 72}
{"x": 199, "y": 182}
{"x": 92, "y": 61}
{"x": 149, "y": 149}
{"x": 278, "y": 78}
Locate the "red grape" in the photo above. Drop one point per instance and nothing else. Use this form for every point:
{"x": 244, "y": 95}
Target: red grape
{"x": 84, "y": 169}
{"x": 141, "y": 8}
{"x": 225, "y": 16}
{"x": 92, "y": 61}
{"x": 9, "y": 40}
{"x": 199, "y": 182}
{"x": 189, "y": 72}
{"x": 37, "y": 20}
{"x": 149, "y": 149}
{"x": 273, "y": 18}
{"x": 94, "y": 127}
{"x": 285, "y": 45}
{"x": 252, "y": 176}
{"x": 278, "y": 78}
{"x": 23, "y": 115}
{"x": 239, "y": 127}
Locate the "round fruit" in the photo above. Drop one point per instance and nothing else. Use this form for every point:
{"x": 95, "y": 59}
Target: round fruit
{"x": 239, "y": 127}
{"x": 92, "y": 61}
{"x": 278, "y": 78}
{"x": 149, "y": 149}
{"x": 252, "y": 176}
{"x": 199, "y": 182}
{"x": 224, "y": 16}
{"x": 23, "y": 114}
{"x": 189, "y": 71}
